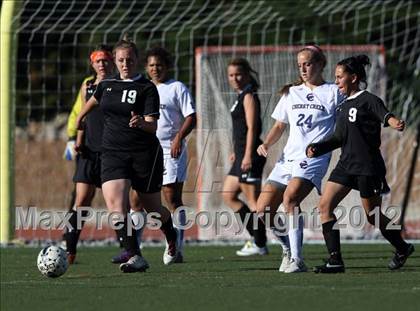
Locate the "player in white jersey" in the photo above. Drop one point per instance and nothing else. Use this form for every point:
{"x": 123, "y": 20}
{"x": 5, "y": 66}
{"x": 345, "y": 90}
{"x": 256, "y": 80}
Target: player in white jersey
{"x": 308, "y": 108}
{"x": 177, "y": 120}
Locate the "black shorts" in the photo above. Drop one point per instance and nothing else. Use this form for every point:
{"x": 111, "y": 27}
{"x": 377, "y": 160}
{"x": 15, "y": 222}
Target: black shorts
{"x": 88, "y": 168}
{"x": 369, "y": 186}
{"x": 254, "y": 175}
{"x": 143, "y": 168}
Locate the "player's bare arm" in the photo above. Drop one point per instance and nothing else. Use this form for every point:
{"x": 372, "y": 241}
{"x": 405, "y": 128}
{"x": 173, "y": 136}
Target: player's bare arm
{"x": 250, "y": 116}
{"x": 272, "y": 137}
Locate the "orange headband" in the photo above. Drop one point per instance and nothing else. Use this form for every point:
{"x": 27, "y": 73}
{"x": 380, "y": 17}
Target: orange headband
{"x": 95, "y": 55}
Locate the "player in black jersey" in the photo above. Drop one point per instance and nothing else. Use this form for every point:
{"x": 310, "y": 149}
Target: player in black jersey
{"x": 361, "y": 166}
{"x": 247, "y": 168}
{"x": 132, "y": 155}
{"x": 89, "y": 146}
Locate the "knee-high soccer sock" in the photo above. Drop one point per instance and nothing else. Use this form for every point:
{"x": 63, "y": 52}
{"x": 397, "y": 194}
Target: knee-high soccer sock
{"x": 72, "y": 235}
{"x": 180, "y": 223}
{"x": 332, "y": 237}
{"x": 128, "y": 239}
{"x": 168, "y": 230}
{"x": 246, "y": 217}
{"x": 72, "y": 201}
{"x": 280, "y": 232}
{"x": 393, "y": 236}
{"x": 259, "y": 234}
{"x": 139, "y": 222}
{"x": 296, "y": 236}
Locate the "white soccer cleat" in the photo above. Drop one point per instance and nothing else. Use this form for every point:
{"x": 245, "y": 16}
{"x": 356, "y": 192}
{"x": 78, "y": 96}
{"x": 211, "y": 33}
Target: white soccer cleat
{"x": 170, "y": 254}
{"x": 285, "y": 262}
{"x": 250, "y": 249}
{"x": 135, "y": 264}
{"x": 295, "y": 266}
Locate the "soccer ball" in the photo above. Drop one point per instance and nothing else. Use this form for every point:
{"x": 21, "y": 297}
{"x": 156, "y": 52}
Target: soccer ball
{"x": 52, "y": 261}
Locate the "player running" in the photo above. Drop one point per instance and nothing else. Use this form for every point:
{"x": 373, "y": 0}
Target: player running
{"x": 361, "y": 166}
{"x": 308, "y": 106}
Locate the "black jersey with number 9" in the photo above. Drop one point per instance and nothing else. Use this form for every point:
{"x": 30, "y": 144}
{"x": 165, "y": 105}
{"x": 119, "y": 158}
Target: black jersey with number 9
{"x": 359, "y": 129}
{"x": 118, "y": 99}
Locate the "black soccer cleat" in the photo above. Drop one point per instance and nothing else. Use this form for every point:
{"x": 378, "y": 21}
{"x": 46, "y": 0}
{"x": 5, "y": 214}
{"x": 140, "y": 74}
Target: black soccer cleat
{"x": 334, "y": 264}
{"x": 135, "y": 264}
{"x": 123, "y": 257}
{"x": 399, "y": 259}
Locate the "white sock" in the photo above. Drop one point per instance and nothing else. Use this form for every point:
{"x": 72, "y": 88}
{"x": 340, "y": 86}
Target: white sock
{"x": 280, "y": 231}
{"x": 138, "y": 218}
{"x": 283, "y": 239}
{"x": 296, "y": 237}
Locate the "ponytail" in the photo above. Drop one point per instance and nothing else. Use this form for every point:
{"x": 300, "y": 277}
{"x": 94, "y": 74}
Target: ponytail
{"x": 356, "y": 65}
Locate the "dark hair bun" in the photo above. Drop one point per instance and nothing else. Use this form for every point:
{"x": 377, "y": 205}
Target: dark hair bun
{"x": 362, "y": 59}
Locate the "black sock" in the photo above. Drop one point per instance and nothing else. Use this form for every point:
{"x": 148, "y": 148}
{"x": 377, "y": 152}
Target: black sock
{"x": 393, "y": 236}
{"x": 243, "y": 212}
{"x": 129, "y": 242}
{"x": 168, "y": 230}
{"x": 72, "y": 235}
{"x": 258, "y": 234}
{"x": 331, "y": 237}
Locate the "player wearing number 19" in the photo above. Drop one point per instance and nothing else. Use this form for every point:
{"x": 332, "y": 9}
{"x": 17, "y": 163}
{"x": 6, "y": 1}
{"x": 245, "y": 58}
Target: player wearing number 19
{"x": 132, "y": 155}
{"x": 308, "y": 108}
{"x": 361, "y": 166}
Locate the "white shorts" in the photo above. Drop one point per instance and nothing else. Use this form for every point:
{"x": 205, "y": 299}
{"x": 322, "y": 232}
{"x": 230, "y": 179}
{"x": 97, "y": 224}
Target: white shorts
{"x": 175, "y": 169}
{"x": 313, "y": 169}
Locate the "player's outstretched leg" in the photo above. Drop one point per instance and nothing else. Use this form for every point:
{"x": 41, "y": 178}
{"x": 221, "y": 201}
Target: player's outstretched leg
{"x": 393, "y": 235}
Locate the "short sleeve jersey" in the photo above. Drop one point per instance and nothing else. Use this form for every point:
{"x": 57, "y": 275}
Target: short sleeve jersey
{"x": 118, "y": 99}
{"x": 239, "y": 126}
{"x": 176, "y": 104}
{"x": 359, "y": 128}
{"x": 94, "y": 122}
{"x": 310, "y": 114}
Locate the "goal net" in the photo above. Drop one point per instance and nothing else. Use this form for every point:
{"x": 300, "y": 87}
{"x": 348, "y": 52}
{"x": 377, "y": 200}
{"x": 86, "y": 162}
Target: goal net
{"x": 54, "y": 39}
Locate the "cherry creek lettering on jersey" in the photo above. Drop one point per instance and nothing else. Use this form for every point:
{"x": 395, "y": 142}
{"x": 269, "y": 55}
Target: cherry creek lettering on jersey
{"x": 308, "y": 106}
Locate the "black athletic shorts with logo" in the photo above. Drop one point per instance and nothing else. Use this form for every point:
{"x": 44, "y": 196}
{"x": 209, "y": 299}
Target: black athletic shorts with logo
{"x": 254, "y": 175}
{"x": 88, "y": 168}
{"x": 369, "y": 186}
{"x": 143, "y": 168}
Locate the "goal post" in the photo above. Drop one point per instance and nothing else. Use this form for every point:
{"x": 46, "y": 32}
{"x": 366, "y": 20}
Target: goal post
{"x": 7, "y": 108}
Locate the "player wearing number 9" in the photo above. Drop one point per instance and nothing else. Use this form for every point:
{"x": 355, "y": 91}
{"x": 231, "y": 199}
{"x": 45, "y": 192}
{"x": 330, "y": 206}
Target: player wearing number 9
{"x": 361, "y": 166}
{"x": 308, "y": 107}
{"x": 132, "y": 155}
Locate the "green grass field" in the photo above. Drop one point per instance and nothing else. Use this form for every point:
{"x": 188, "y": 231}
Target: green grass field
{"x": 212, "y": 278}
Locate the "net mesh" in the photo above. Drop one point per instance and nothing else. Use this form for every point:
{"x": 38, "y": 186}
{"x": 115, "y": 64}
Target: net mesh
{"x": 55, "y": 36}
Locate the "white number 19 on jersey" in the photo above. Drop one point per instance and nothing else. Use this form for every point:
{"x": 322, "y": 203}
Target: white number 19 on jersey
{"x": 352, "y": 114}
{"x": 129, "y": 96}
